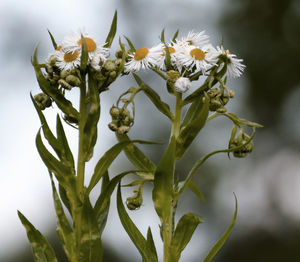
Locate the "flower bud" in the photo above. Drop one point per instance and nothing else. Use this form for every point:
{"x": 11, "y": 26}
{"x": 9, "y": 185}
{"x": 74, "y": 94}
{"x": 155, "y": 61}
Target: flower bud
{"x": 215, "y": 104}
{"x": 64, "y": 84}
{"x": 182, "y": 84}
{"x": 136, "y": 200}
{"x": 114, "y": 112}
{"x": 43, "y": 101}
{"x": 73, "y": 80}
{"x": 221, "y": 110}
{"x": 119, "y": 53}
{"x": 113, "y": 125}
{"x": 64, "y": 73}
{"x": 123, "y": 129}
{"x": 110, "y": 65}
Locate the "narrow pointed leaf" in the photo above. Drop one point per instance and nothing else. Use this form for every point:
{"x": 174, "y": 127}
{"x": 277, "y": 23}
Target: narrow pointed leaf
{"x": 53, "y": 40}
{"x": 106, "y": 160}
{"x": 41, "y": 249}
{"x": 58, "y": 168}
{"x": 162, "y": 36}
{"x": 104, "y": 198}
{"x": 192, "y": 124}
{"x": 135, "y": 155}
{"x": 84, "y": 55}
{"x": 175, "y": 36}
{"x": 194, "y": 188}
{"x": 131, "y": 46}
{"x": 162, "y": 193}
{"x": 93, "y": 107}
{"x": 67, "y": 155}
{"x": 183, "y": 233}
{"x": 212, "y": 253}
{"x": 64, "y": 229}
{"x": 150, "y": 242}
{"x": 137, "y": 238}
{"x": 53, "y": 91}
{"x": 103, "y": 214}
{"x": 112, "y": 31}
{"x": 64, "y": 198}
{"x": 154, "y": 97}
{"x": 90, "y": 248}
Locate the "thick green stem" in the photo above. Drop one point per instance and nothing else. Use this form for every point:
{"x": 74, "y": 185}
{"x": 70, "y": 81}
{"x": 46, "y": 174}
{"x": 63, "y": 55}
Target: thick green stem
{"x": 80, "y": 163}
{"x": 168, "y": 223}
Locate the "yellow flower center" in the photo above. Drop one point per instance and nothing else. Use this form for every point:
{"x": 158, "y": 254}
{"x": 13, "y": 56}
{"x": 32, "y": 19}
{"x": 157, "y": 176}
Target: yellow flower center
{"x": 58, "y": 48}
{"x": 90, "y": 44}
{"x": 171, "y": 49}
{"x": 70, "y": 56}
{"x": 198, "y": 54}
{"x": 141, "y": 53}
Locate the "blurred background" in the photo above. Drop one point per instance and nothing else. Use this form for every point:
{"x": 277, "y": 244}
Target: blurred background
{"x": 265, "y": 33}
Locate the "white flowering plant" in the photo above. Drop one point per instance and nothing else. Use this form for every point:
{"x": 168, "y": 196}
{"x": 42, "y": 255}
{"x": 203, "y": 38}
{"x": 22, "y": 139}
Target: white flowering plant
{"x": 82, "y": 62}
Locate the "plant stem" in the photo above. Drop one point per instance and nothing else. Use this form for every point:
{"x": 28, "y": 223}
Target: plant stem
{"x": 168, "y": 224}
{"x": 80, "y": 163}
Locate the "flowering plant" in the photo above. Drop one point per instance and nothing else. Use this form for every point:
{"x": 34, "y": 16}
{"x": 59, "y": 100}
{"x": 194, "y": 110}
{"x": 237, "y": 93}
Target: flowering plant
{"x": 81, "y": 62}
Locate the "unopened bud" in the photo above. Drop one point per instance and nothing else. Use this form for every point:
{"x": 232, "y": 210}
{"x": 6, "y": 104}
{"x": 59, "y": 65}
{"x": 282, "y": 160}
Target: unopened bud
{"x": 110, "y": 65}
{"x": 123, "y": 129}
{"x": 64, "y": 84}
{"x": 136, "y": 200}
{"x": 114, "y": 112}
{"x": 113, "y": 126}
{"x": 43, "y": 101}
{"x": 73, "y": 80}
{"x": 221, "y": 110}
{"x": 119, "y": 53}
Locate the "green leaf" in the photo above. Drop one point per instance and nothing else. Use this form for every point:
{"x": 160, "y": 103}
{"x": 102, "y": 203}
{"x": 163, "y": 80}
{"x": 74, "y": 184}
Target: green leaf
{"x": 102, "y": 217}
{"x": 53, "y": 40}
{"x": 60, "y": 170}
{"x": 90, "y": 247}
{"x": 194, "y": 188}
{"x": 135, "y": 155}
{"x": 162, "y": 193}
{"x": 154, "y": 97}
{"x": 175, "y": 36}
{"x": 41, "y": 249}
{"x": 93, "y": 115}
{"x": 183, "y": 233}
{"x": 67, "y": 155}
{"x": 193, "y": 122}
{"x": 223, "y": 238}
{"x": 104, "y": 198}
{"x": 84, "y": 55}
{"x": 64, "y": 198}
{"x": 150, "y": 243}
{"x": 131, "y": 46}
{"x": 53, "y": 91}
{"x": 135, "y": 235}
{"x": 64, "y": 229}
{"x": 106, "y": 160}
{"x": 112, "y": 31}
{"x": 47, "y": 131}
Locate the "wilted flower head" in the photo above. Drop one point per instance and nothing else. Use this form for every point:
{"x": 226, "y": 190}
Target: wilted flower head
{"x": 182, "y": 84}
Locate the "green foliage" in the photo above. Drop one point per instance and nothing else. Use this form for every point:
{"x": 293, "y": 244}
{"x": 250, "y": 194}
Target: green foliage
{"x": 183, "y": 233}
{"x": 193, "y": 122}
{"x": 41, "y": 249}
{"x": 144, "y": 246}
{"x": 212, "y": 253}
{"x": 64, "y": 229}
{"x": 112, "y": 32}
{"x": 162, "y": 193}
{"x": 154, "y": 97}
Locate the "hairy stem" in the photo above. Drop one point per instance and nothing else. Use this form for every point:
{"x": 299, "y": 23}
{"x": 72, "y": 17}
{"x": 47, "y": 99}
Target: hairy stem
{"x": 80, "y": 163}
{"x": 168, "y": 223}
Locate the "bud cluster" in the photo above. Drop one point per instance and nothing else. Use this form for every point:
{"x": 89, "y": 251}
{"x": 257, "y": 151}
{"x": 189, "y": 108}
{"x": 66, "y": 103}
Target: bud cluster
{"x": 121, "y": 120}
{"x": 241, "y": 140}
{"x": 218, "y": 99}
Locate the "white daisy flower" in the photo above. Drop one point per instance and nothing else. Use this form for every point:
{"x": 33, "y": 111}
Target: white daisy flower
{"x": 182, "y": 84}
{"x": 194, "y": 39}
{"x": 174, "y": 50}
{"x": 144, "y": 58}
{"x": 73, "y": 43}
{"x": 99, "y": 59}
{"x": 67, "y": 60}
{"x": 235, "y": 67}
{"x": 201, "y": 58}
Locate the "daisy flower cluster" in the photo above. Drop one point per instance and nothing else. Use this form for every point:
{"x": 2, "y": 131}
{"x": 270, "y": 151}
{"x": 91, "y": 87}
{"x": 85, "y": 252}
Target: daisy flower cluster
{"x": 191, "y": 54}
{"x": 67, "y": 55}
